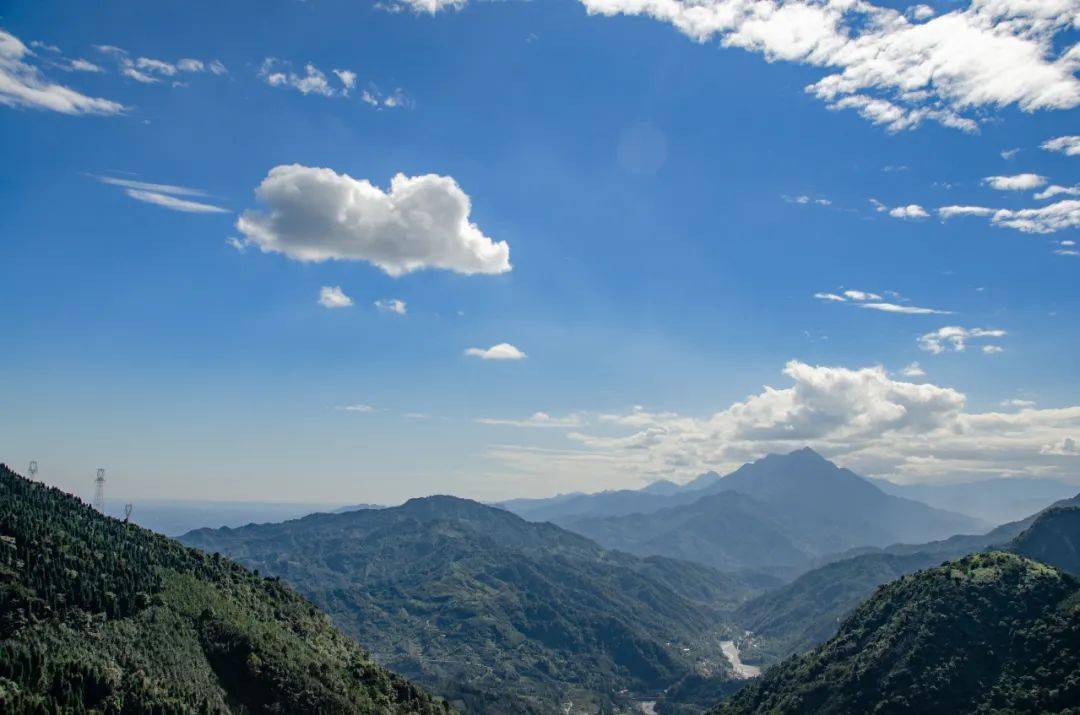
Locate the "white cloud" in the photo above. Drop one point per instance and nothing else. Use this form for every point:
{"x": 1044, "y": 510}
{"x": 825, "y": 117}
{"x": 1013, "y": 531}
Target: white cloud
{"x": 22, "y": 84}
{"x": 946, "y": 212}
{"x": 81, "y": 65}
{"x": 537, "y": 419}
{"x": 366, "y": 409}
{"x": 1043, "y": 219}
{"x": 893, "y": 70}
{"x": 39, "y": 45}
{"x": 955, "y": 339}
{"x": 903, "y": 309}
{"x": 317, "y": 214}
{"x": 348, "y": 79}
{"x": 1017, "y": 182}
{"x": 920, "y": 12}
{"x": 160, "y": 67}
{"x": 164, "y": 195}
{"x": 502, "y": 351}
{"x": 913, "y": 370}
{"x": 374, "y": 97}
{"x": 171, "y": 202}
{"x": 805, "y": 200}
{"x": 1017, "y": 404}
{"x": 1068, "y": 145}
{"x": 1009, "y": 154}
{"x": 391, "y": 305}
{"x": 911, "y": 211}
{"x": 334, "y": 297}
{"x": 422, "y": 6}
{"x": 276, "y": 73}
{"x": 1055, "y": 190}
{"x": 189, "y": 65}
{"x": 862, "y": 418}
{"x": 873, "y": 301}
{"x": 1065, "y": 447}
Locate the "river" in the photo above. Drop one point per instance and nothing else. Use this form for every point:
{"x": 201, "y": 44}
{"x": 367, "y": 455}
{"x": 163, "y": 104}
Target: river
{"x": 742, "y": 670}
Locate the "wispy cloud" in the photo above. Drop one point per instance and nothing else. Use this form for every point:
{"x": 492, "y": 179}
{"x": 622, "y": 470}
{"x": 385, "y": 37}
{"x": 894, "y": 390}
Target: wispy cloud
{"x": 873, "y": 301}
{"x": 22, "y": 84}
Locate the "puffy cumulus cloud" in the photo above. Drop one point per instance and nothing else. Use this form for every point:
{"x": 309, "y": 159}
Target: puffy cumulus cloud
{"x": 1069, "y": 145}
{"x": 1050, "y": 218}
{"x": 862, "y": 418}
{"x": 334, "y": 297}
{"x": 537, "y": 419}
{"x": 1016, "y": 182}
{"x": 955, "y": 339}
{"x": 896, "y": 70}
{"x": 913, "y": 370}
{"x": 502, "y": 351}
{"x": 911, "y": 211}
{"x": 22, "y": 84}
{"x": 391, "y": 305}
{"x": 873, "y": 301}
{"x": 315, "y": 214}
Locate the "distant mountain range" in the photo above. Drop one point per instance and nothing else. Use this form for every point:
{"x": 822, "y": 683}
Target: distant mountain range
{"x": 782, "y": 513}
{"x": 97, "y": 615}
{"x": 992, "y": 632}
{"x": 496, "y": 613}
{"x": 996, "y": 501}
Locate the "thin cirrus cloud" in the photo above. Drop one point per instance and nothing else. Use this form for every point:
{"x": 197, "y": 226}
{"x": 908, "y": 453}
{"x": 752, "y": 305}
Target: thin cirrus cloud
{"x": 22, "y": 84}
{"x": 149, "y": 70}
{"x": 873, "y": 301}
{"x": 502, "y": 351}
{"x": 953, "y": 338}
{"x": 315, "y": 214}
{"x": 334, "y": 297}
{"x": 537, "y": 419}
{"x": 164, "y": 195}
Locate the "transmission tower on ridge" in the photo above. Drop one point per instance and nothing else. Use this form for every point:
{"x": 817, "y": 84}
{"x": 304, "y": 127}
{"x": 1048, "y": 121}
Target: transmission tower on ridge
{"x": 99, "y": 490}
{"x": 32, "y": 469}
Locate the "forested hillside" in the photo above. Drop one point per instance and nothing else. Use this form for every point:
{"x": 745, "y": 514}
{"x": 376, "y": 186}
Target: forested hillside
{"x": 495, "y": 612}
{"x": 993, "y": 632}
{"x": 96, "y": 614}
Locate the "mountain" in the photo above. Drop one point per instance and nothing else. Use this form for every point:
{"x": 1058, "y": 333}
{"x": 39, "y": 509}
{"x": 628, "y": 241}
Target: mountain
{"x": 104, "y": 616}
{"x": 993, "y": 500}
{"x": 494, "y": 612}
{"x": 1053, "y": 538}
{"x": 797, "y": 616}
{"x": 728, "y": 531}
{"x": 992, "y": 632}
{"x": 781, "y": 512}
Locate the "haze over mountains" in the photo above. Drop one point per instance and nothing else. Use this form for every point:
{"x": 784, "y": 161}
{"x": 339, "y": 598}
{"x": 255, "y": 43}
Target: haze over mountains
{"x": 494, "y": 612}
{"x": 782, "y": 513}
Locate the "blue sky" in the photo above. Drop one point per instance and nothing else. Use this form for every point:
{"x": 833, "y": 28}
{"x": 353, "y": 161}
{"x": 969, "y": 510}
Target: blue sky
{"x": 671, "y": 202}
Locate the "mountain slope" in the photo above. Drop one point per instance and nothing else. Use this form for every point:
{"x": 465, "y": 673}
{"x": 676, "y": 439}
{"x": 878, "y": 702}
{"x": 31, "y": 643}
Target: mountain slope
{"x": 1053, "y": 538}
{"x": 99, "y": 614}
{"x": 493, "y": 611}
{"x": 799, "y": 615}
{"x": 728, "y": 531}
{"x": 780, "y": 512}
{"x": 991, "y": 632}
